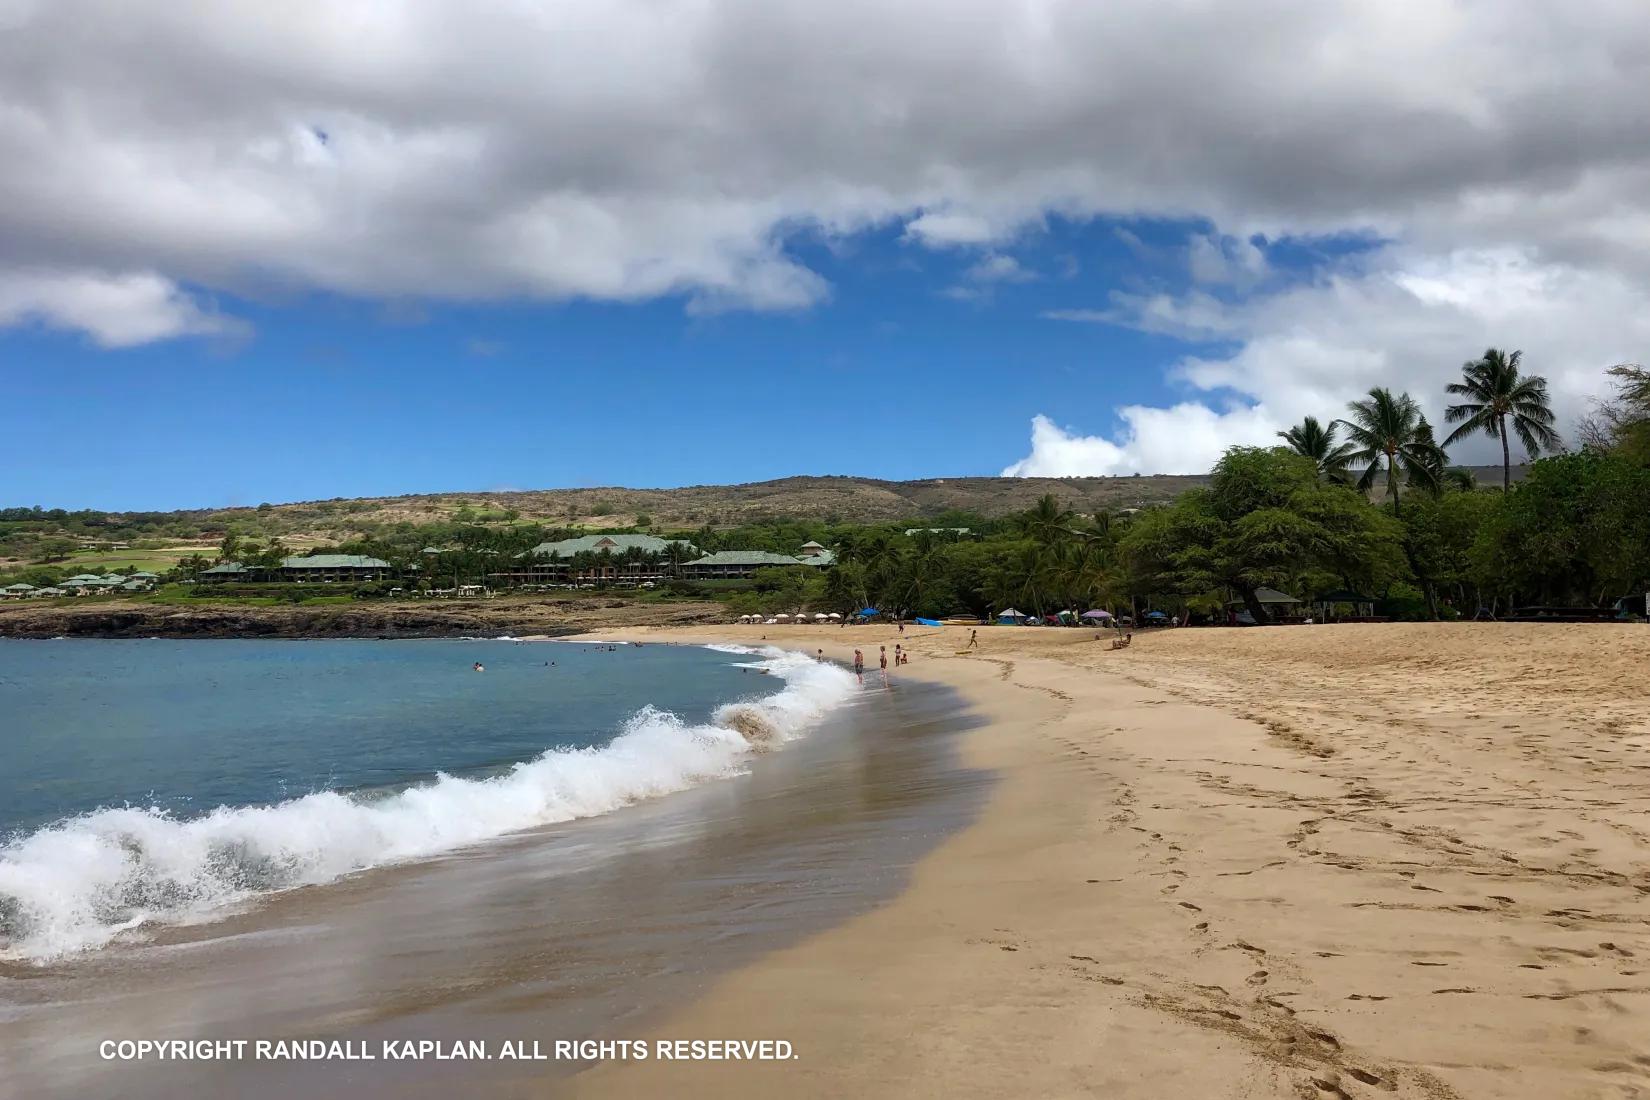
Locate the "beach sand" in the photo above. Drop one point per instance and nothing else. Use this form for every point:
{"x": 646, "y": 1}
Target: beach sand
{"x": 1332, "y": 861}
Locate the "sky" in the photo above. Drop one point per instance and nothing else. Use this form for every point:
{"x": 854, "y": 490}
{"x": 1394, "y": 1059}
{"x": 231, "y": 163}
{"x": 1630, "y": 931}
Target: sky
{"x": 255, "y": 252}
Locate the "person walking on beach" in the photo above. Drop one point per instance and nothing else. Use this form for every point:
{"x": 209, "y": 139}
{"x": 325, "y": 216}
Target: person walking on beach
{"x": 973, "y": 639}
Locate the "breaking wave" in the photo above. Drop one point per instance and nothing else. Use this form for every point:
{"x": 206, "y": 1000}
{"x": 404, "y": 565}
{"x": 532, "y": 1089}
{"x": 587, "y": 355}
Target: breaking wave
{"x": 79, "y": 883}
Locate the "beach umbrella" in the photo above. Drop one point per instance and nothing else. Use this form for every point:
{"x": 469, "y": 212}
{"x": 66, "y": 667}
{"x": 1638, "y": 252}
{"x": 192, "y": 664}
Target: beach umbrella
{"x": 835, "y": 615}
{"x": 781, "y": 615}
{"x": 1097, "y": 614}
{"x": 821, "y": 617}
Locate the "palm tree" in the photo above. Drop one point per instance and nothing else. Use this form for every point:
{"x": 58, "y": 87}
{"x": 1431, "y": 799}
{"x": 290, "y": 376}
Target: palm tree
{"x": 1048, "y": 521}
{"x": 1460, "y": 479}
{"x": 1393, "y": 429}
{"x": 1314, "y": 441}
{"x": 1495, "y": 390}
{"x": 678, "y": 554}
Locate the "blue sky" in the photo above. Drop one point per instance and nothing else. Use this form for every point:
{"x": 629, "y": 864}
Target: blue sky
{"x": 269, "y": 252}
{"x": 911, "y": 367}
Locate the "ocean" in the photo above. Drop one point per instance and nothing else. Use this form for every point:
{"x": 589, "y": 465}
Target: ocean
{"x": 156, "y": 781}
{"x": 365, "y": 841}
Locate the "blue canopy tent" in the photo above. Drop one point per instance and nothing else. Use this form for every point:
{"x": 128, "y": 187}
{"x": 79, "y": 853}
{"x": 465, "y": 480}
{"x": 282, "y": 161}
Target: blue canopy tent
{"x": 928, "y": 622}
{"x": 1012, "y": 616}
{"x": 867, "y": 613}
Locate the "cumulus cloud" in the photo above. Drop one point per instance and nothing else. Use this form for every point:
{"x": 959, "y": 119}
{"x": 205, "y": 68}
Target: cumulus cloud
{"x": 1402, "y": 319}
{"x": 1183, "y": 439}
{"x": 116, "y": 311}
{"x": 629, "y": 149}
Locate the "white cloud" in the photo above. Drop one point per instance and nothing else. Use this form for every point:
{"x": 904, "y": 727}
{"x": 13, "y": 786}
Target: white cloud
{"x": 1000, "y": 268}
{"x": 624, "y": 149}
{"x": 116, "y": 311}
{"x": 1183, "y": 439}
{"x": 1226, "y": 261}
{"x": 1404, "y": 319}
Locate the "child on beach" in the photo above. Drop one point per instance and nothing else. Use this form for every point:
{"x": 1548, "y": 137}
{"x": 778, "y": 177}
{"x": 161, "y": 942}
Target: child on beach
{"x": 883, "y": 660}
{"x": 973, "y": 639}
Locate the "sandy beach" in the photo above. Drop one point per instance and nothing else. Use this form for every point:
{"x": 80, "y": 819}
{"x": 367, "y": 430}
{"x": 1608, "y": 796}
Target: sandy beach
{"x": 1333, "y": 861}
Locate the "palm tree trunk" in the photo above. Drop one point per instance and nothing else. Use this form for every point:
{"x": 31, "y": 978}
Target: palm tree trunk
{"x": 1506, "y": 459}
{"x": 1392, "y": 483}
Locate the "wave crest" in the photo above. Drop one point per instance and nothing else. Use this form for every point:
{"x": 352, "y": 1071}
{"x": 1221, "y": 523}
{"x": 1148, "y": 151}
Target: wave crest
{"x": 79, "y": 883}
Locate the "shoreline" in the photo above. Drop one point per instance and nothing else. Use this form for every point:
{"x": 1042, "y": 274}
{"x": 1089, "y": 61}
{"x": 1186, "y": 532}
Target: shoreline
{"x": 566, "y": 930}
{"x": 375, "y": 619}
{"x": 1215, "y": 865}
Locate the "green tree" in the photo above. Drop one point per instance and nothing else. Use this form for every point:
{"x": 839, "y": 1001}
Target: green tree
{"x": 1577, "y": 528}
{"x": 1265, "y": 520}
{"x": 1390, "y": 431}
{"x": 1312, "y": 440}
{"x": 1498, "y": 397}
{"x": 1621, "y": 423}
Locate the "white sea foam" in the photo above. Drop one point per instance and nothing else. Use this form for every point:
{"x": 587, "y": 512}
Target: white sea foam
{"x": 78, "y": 884}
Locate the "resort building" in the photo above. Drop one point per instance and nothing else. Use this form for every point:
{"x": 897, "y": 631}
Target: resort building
{"x": 86, "y": 584}
{"x": 812, "y": 553}
{"x": 317, "y": 569}
{"x": 735, "y": 564}
{"x": 596, "y": 559}
{"x": 333, "y": 568}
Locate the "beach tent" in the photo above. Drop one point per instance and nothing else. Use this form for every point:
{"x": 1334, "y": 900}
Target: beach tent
{"x": 1267, "y": 597}
{"x": 928, "y": 622}
{"x": 1012, "y": 616}
{"x": 1155, "y": 617}
{"x": 1097, "y": 614}
{"x": 1361, "y": 605}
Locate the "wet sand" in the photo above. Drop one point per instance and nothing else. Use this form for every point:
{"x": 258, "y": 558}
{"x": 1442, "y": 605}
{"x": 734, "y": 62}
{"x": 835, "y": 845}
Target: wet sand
{"x": 1335, "y": 861}
{"x": 587, "y": 929}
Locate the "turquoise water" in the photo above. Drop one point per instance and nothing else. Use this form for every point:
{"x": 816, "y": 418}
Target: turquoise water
{"x": 186, "y": 726}
{"x": 161, "y": 781}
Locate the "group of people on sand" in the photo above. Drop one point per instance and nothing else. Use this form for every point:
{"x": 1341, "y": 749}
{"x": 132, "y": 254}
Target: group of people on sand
{"x": 901, "y": 657}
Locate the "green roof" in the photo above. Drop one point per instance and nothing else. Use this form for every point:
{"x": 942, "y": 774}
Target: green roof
{"x": 227, "y": 568}
{"x": 85, "y": 577}
{"x": 594, "y": 544}
{"x": 334, "y": 561}
{"x": 19, "y": 588}
{"x": 745, "y": 557}
{"x": 822, "y": 558}
{"x": 144, "y": 575}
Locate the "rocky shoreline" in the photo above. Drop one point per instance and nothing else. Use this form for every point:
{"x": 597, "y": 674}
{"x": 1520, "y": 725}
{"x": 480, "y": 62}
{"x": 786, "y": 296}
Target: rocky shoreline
{"x": 423, "y": 619}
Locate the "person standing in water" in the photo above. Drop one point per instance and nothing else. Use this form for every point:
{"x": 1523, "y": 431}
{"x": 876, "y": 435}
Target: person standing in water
{"x": 859, "y": 665}
{"x": 883, "y": 660}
